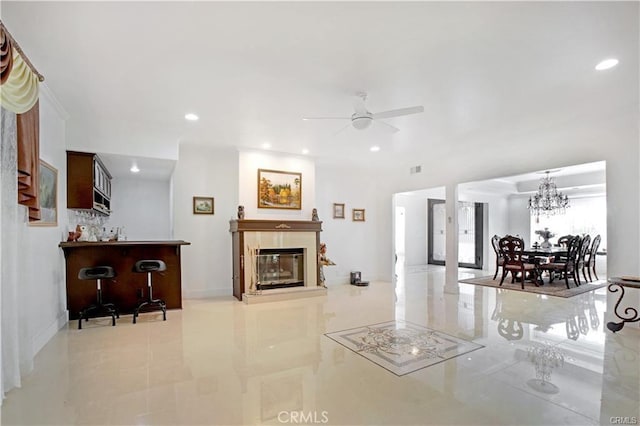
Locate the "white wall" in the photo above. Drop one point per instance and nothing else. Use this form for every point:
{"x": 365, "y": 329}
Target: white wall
{"x": 143, "y": 207}
{"x": 351, "y": 245}
{"x": 38, "y": 278}
{"x": 577, "y": 141}
{"x": 519, "y": 218}
{"x": 42, "y": 260}
{"x": 251, "y": 161}
{"x": 206, "y": 263}
{"x": 496, "y": 220}
{"x": 415, "y": 249}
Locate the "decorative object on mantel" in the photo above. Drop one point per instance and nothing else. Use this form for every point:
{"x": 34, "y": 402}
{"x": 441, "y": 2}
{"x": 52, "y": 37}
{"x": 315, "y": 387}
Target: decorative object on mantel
{"x": 241, "y": 212}
{"x": 358, "y": 215}
{"x": 279, "y": 190}
{"x": 202, "y": 205}
{"x": 548, "y": 200}
{"x": 338, "y": 211}
{"x": 545, "y": 234}
{"x": 314, "y": 215}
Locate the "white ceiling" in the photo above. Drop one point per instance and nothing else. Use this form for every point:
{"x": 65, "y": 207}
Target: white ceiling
{"x": 127, "y": 72}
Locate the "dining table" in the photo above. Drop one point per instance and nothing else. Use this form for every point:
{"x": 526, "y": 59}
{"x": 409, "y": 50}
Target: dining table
{"x": 540, "y": 255}
{"x": 545, "y": 252}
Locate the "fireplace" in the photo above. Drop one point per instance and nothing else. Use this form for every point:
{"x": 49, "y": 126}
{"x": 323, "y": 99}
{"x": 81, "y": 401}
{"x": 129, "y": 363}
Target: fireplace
{"x": 280, "y": 268}
{"x": 275, "y": 259}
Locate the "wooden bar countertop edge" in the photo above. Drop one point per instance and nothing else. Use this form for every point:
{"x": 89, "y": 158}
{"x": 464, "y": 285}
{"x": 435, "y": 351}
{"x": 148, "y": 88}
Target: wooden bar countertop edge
{"x": 72, "y": 244}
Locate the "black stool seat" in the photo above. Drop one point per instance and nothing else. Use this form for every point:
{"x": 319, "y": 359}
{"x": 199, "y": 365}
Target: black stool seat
{"x": 148, "y": 266}
{"x": 98, "y": 273}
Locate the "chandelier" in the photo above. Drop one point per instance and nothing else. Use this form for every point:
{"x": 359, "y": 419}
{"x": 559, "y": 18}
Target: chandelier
{"x": 548, "y": 201}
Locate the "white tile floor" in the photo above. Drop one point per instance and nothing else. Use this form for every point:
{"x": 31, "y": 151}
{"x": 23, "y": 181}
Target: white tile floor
{"x": 219, "y": 361}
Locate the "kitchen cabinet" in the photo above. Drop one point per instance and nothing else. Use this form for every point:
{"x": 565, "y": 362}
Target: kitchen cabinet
{"x": 88, "y": 183}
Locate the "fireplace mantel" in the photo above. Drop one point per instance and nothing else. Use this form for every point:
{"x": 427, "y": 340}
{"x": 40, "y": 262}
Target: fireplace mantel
{"x": 249, "y": 234}
{"x": 274, "y": 225}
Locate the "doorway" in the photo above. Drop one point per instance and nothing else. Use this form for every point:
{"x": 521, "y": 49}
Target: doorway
{"x": 470, "y": 233}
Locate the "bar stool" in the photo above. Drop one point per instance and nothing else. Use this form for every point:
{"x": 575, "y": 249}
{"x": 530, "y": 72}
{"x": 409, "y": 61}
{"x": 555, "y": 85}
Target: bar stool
{"x": 98, "y": 273}
{"x": 148, "y": 267}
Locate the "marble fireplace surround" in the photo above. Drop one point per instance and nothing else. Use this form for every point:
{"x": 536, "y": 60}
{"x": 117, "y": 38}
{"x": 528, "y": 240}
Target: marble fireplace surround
{"x": 250, "y": 235}
{"x": 283, "y": 240}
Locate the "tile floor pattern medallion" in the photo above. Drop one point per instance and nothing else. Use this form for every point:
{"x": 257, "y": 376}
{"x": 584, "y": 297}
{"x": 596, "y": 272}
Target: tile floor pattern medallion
{"x": 402, "y": 347}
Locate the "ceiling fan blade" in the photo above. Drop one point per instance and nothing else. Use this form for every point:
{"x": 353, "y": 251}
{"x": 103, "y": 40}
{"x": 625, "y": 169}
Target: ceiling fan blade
{"x": 342, "y": 129}
{"x": 398, "y": 112}
{"x": 326, "y": 118}
{"x": 389, "y": 126}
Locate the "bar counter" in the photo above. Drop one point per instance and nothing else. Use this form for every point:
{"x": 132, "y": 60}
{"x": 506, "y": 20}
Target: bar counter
{"x": 128, "y": 288}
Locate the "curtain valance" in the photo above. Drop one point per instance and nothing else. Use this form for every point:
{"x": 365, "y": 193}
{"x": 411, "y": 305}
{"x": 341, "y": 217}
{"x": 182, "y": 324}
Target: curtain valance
{"x": 19, "y": 82}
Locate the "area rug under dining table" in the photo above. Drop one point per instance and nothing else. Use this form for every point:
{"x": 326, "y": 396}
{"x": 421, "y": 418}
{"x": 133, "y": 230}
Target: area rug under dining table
{"x": 557, "y": 288}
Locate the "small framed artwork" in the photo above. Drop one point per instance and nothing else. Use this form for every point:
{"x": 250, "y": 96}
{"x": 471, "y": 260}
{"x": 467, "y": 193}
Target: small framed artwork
{"x": 338, "y": 211}
{"x": 279, "y": 190}
{"x": 202, "y": 205}
{"x": 48, "y": 196}
{"x": 358, "y": 215}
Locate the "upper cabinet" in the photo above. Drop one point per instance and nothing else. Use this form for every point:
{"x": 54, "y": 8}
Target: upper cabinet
{"x": 88, "y": 183}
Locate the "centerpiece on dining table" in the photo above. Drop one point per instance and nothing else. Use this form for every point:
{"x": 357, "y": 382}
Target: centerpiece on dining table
{"x": 545, "y": 234}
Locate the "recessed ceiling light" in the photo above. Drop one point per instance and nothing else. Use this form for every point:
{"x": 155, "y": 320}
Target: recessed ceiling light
{"x": 374, "y": 148}
{"x": 191, "y": 117}
{"x": 266, "y": 145}
{"x": 305, "y": 151}
{"x": 606, "y": 64}
{"x": 134, "y": 169}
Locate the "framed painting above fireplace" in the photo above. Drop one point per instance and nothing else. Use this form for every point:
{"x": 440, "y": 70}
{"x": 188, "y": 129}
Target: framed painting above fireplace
{"x": 279, "y": 190}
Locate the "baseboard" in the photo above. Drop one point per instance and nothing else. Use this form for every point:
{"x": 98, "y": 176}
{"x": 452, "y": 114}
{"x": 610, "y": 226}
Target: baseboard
{"x": 205, "y": 294}
{"x": 42, "y": 338}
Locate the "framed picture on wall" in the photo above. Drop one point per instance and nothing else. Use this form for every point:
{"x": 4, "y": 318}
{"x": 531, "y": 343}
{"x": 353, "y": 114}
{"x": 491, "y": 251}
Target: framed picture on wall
{"x": 202, "y": 205}
{"x": 279, "y": 190}
{"x": 48, "y": 195}
{"x": 358, "y": 215}
{"x": 338, "y": 211}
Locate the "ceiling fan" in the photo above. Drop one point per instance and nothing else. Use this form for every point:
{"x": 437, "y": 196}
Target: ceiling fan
{"x": 362, "y": 118}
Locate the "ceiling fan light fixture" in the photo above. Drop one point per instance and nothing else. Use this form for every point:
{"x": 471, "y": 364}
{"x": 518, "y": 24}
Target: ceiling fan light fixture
{"x": 361, "y": 122}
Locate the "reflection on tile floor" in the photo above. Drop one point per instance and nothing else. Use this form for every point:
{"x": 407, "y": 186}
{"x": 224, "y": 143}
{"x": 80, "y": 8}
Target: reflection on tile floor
{"x": 221, "y": 362}
{"x": 401, "y": 347}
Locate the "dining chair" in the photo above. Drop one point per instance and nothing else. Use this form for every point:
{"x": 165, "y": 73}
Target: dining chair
{"x": 585, "y": 245}
{"x": 566, "y": 267}
{"x": 495, "y": 243}
{"x": 564, "y": 240}
{"x": 590, "y": 262}
{"x": 514, "y": 261}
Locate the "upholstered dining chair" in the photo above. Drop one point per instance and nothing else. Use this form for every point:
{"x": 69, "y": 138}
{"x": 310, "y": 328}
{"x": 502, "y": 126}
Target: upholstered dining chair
{"x": 511, "y": 248}
{"x": 590, "y": 262}
{"x": 567, "y": 267}
{"x": 495, "y": 243}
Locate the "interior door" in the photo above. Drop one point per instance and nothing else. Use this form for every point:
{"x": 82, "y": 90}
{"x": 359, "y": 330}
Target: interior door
{"x": 470, "y": 233}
